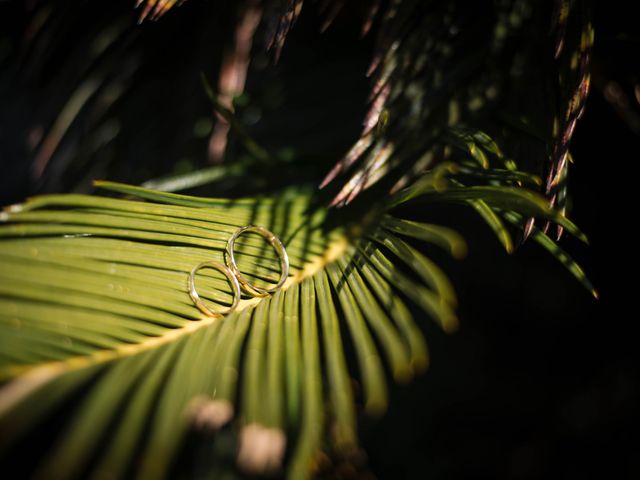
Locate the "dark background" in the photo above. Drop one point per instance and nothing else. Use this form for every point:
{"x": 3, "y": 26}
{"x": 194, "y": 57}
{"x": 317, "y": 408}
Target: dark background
{"x": 540, "y": 381}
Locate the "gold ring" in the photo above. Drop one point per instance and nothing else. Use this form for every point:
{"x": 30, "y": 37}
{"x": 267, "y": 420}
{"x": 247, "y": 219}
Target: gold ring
{"x": 196, "y": 298}
{"x": 275, "y": 243}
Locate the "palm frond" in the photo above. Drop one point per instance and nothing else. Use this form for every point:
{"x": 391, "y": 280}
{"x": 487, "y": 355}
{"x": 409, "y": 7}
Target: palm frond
{"x": 430, "y": 85}
{"x": 98, "y": 285}
{"x": 95, "y": 307}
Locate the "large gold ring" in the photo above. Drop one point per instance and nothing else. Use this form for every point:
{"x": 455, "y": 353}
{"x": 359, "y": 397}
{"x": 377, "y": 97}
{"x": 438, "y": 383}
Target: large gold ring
{"x": 196, "y": 298}
{"x": 275, "y": 243}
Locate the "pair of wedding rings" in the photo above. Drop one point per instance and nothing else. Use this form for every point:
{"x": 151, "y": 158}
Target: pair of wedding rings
{"x": 232, "y": 272}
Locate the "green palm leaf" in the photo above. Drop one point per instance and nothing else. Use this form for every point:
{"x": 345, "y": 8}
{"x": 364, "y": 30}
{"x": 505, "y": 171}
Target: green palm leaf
{"x": 95, "y": 314}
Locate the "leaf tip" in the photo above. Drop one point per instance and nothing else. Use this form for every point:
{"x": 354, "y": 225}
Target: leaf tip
{"x": 420, "y": 363}
{"x": 459, "y": 250}
{"x": 403, "y": 374}
{"x": 584, "y": 238}
{"x": 450, "y": 324}
{"x": 527, "y": 229}
{"x": 376, "y": 406}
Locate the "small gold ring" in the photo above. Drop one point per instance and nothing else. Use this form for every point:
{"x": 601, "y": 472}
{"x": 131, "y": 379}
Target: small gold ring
{"x": 196, "y": 298}
{"x": 275, "y": 243}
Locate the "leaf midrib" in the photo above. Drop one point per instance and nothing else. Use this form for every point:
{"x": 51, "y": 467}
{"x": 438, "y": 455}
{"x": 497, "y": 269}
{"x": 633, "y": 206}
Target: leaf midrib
{"x": 28, "y": 378}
